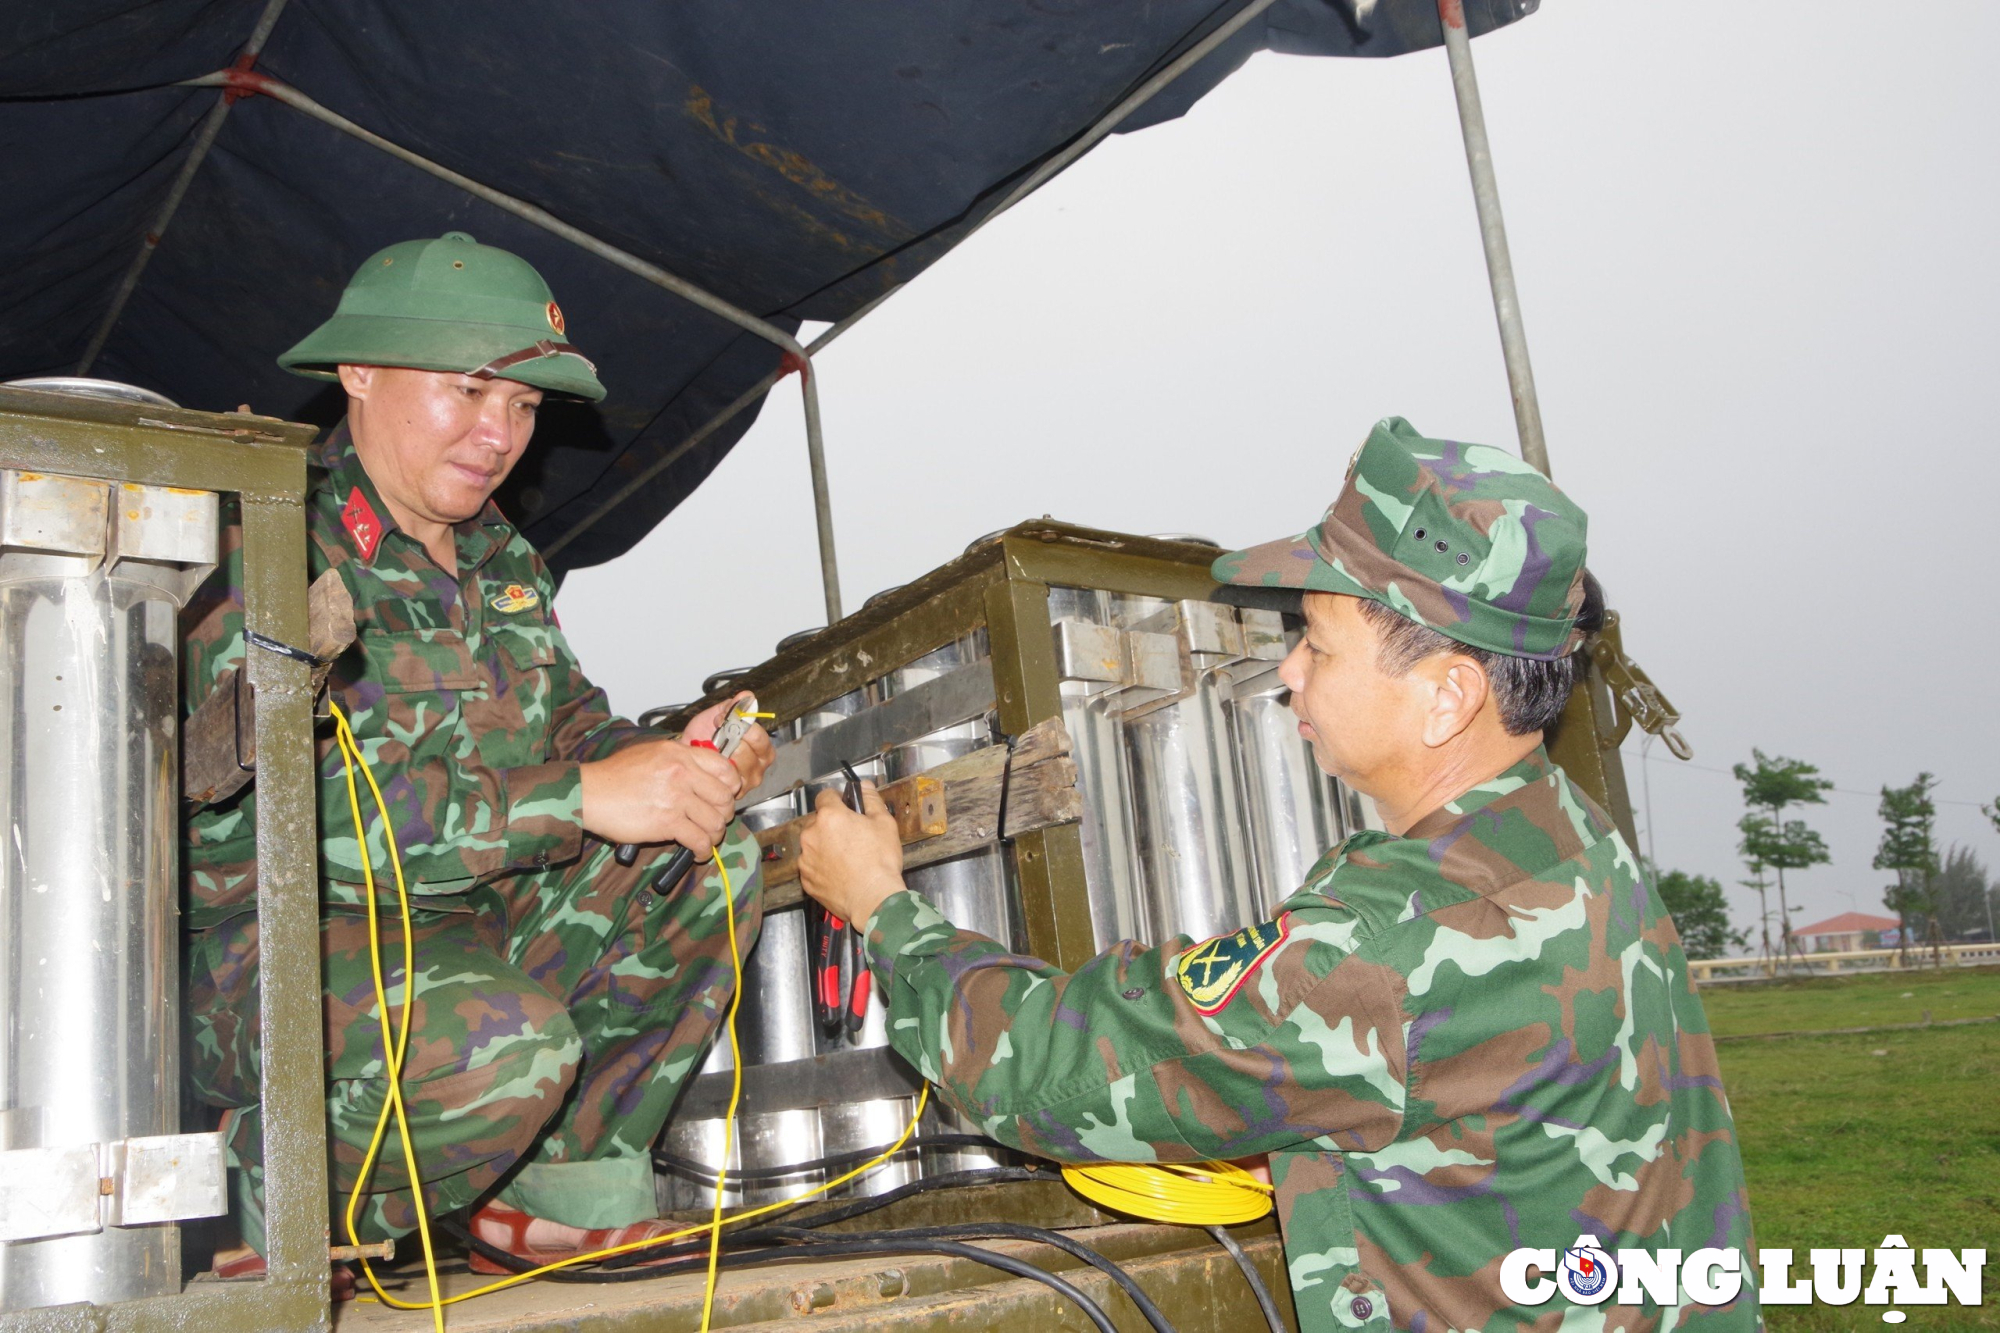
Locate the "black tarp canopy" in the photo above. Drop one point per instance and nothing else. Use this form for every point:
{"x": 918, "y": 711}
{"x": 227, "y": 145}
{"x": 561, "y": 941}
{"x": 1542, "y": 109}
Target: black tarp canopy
{"x": 797, "y": 158}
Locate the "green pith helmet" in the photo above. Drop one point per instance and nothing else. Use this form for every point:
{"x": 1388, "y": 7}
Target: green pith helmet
{"x": 449, "y": 304}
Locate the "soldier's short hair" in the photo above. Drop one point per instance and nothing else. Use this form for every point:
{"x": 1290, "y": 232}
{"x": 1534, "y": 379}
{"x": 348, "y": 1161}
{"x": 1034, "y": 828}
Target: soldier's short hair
{"x": 1529, "y": 692}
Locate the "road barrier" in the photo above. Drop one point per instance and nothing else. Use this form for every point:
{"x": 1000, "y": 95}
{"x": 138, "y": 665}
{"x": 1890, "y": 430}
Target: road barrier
{"x": 1705, "y": 970}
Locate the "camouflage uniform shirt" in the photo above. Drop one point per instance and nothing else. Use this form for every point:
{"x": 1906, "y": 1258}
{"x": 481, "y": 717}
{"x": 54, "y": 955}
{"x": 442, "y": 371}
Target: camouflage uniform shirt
{"x": 461, "y": 689}
{"x": 1476, "y": 1037}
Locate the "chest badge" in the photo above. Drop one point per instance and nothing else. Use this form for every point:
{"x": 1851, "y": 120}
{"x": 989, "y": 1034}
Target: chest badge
{"x": 514, "y": 597}
{"x": 358, "y": 517}
{"x": 1213, "y": 971}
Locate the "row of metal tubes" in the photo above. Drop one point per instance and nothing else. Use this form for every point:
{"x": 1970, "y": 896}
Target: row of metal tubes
{"x": 864, "y": 1129}
{"x": 1163, "y": 919}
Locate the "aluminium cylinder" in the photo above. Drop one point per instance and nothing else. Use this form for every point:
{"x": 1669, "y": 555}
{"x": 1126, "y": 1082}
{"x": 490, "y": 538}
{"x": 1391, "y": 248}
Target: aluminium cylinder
{"x": 701, "y": 1140}
{"x": 973, "y": 891}
{"x": 1093, "y": 718}
{"x": 92, "y": 576}
{"x": 1292, "y": 809}
{"x": 847, "y": 1127}
{"x": 776, "y": 1025}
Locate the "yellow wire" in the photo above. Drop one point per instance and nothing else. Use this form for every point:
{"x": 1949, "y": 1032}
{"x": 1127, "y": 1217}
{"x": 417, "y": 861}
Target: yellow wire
{"x": 1204, "y": 1194}
{"x": 350, "y": 752}
{"x": 393, "y": 1044}
{"x": 923, "y": 1097}
{"x": 1226, "y": 1171}
{"x": 1207, "y": 1194}
{"x": 735, "y": 1095}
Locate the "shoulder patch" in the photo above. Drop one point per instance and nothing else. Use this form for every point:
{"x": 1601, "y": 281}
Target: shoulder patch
{"x": 514, "y": 597}
{"x": 1213, "y": 971}
{"x": 358, "y": 517}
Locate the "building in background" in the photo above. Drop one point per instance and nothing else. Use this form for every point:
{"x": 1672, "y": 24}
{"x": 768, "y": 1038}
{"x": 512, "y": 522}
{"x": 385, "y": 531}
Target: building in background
{"x": 1849, "y": 930}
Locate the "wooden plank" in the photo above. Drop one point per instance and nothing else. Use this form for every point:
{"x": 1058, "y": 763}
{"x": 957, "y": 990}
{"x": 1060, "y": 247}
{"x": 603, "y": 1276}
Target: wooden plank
{"x": 963, "y": 809}
{"x": 218, "y": 744}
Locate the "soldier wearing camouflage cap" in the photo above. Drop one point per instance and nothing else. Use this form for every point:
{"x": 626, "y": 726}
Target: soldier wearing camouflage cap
{"x": 1469, "y": 1032}
{"x": 560, "y": 1003}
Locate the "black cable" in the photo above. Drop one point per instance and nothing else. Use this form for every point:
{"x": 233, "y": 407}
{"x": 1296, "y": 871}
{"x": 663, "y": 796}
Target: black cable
{"x": 989, "y": 1175}
{"x": 638, "y": 1265}
{"x": 949, "y": 1180}
{"x": 1000, "y": 838}
{"x": 1252, "y": 1276}
{"x": 789, "y": 1250}
{"x": 689, "y": 1168}
{"x": 1041, "y": 1236}
{"x": 660, "y": 1261}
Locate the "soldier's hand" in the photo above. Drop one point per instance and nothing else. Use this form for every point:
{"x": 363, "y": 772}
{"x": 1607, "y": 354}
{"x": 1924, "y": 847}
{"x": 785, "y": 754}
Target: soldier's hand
{"x": 753, "y": 756}
{"x": 661, "y": 791}
{"x": 753, "y": 753}
{"x": 850, "y": 862}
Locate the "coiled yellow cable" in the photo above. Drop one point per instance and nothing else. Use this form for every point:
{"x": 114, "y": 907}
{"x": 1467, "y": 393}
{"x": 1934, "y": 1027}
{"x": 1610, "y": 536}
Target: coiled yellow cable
{"x": 1206, "y": 1194}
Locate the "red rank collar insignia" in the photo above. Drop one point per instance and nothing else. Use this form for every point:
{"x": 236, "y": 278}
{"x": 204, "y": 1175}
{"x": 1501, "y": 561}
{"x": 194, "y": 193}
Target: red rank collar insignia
{"x": 362, "y": 524}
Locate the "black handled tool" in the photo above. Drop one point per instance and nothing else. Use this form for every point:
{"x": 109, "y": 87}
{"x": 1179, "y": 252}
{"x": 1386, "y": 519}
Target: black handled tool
{"x": 860, "y": 980}
{"x": 727, "y": 737}
{"x": 851, "y": 1016}
{"x": 823, "y": 966}
{"x": 837, "y": 971}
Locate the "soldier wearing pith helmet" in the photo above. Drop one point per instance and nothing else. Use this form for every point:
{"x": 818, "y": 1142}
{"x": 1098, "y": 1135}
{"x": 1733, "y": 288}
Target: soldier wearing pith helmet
{"x": 1469, "y": 1032}
{"x": 559, "y": 1001}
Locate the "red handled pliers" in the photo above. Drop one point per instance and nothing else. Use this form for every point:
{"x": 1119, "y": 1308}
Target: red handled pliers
{"x": 837, "y": 959}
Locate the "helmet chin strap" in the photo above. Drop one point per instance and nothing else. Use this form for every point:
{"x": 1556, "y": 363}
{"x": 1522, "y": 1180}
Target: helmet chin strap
{"x": 541, "y": 348}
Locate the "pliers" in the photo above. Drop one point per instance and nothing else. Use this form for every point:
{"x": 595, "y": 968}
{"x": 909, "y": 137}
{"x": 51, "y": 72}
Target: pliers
{"x": 835, "y": 955}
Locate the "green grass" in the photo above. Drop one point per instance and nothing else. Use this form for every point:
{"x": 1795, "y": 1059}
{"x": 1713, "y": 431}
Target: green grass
{"x": 1848, "y": 1138}
{"x": 1864, "y": 1000}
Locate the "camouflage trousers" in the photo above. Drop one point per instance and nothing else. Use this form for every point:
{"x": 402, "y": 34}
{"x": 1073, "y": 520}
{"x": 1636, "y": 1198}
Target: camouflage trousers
{"x": 556, "y": 1016}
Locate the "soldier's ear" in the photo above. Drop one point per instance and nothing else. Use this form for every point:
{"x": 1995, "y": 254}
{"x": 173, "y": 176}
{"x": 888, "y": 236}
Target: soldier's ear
{"x": 359, "y": 381}
{"x": 1458, "y": 693}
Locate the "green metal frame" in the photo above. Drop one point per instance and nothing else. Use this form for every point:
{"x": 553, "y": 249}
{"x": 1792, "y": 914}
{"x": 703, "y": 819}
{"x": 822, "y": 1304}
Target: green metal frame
{"x": 264, "y": 462}
{"x": 1002, "y": 584}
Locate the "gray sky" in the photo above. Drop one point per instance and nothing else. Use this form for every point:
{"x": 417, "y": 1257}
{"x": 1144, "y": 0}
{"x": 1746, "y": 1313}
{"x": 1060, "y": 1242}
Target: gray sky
{"x": 1754, "y": 247}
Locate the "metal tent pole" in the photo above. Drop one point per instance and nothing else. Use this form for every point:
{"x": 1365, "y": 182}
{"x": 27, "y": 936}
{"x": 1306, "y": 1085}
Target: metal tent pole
{"x": 204, "y": 139}
{"x": 674, "y": 455}
{"x": 1076, "y": 148}
{"x": 1493, "y": 232}
{"x": 1139, "y": 96}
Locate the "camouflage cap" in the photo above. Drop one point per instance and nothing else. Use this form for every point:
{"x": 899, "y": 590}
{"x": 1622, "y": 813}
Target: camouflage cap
{"x": 1464, "y": 538}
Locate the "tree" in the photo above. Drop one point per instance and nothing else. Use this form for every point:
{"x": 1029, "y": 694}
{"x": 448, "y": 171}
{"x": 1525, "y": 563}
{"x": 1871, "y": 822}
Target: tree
{"x": 1909, "y": 847}
{"x": 1770, "y": 786}
{"x": 1700, "y": 912}
{"x": 1964, "y": 897}
{"x": 1753, "y": 827}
